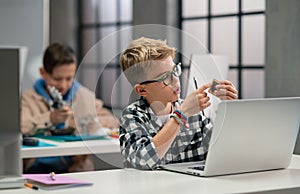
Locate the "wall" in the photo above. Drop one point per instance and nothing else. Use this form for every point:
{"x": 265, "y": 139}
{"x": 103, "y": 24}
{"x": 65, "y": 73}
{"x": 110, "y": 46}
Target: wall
{"x": 25, "y": 23}
{"x": 283, "y": 50}
{"x": 63, "y": 22}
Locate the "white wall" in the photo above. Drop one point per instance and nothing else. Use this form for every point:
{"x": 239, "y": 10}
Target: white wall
{"x": 26, "y": 23}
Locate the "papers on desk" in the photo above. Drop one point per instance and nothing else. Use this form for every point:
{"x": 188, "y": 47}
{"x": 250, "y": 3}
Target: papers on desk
{"x": 44, "y": 181}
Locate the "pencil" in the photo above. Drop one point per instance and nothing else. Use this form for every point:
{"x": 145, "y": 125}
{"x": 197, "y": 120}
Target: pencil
{"x": 31, "y": 186}
{"x": 196, "y": 86}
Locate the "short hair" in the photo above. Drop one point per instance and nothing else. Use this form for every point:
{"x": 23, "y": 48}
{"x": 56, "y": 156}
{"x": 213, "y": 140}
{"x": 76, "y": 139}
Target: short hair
{"x": 139, "y": 54}
{"x": 58, "y": 54}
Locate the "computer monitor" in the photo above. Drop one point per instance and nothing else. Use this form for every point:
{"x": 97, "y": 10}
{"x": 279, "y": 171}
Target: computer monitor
{"x": 10, "y": 136}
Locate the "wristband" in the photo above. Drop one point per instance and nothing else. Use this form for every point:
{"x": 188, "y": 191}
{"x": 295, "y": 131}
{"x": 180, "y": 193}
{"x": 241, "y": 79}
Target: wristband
{"x": 180, "y": 121}
{"x": 181, "y": 114}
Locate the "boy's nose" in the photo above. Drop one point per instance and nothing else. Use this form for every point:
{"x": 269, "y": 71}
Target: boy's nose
{"x": 62, "y": 86}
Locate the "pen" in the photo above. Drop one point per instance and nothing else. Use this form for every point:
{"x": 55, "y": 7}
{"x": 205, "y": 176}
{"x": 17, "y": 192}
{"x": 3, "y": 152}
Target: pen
{"x": 196, "y": 86}
{"x": 31, "y": 186}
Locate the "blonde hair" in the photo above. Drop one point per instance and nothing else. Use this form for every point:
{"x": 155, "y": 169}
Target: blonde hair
{"x": 143, "y": 51}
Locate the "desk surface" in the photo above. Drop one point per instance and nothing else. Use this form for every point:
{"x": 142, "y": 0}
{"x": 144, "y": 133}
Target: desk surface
{"x": 73, "y": 148}
{"x": 132, "y": 181}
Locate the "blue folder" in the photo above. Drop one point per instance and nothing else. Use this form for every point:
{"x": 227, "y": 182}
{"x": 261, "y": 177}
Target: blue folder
{"x": 40, "y": 144}
{"x": 68, "y": 138}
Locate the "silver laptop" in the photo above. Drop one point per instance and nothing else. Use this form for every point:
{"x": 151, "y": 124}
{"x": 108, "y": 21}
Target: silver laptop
{"x": 248, "y": 136}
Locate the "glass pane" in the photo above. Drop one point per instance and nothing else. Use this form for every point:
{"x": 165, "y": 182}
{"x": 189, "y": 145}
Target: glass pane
{"x": 108, "y": 11}
{"x": 224, "y": 38}
{"x": 89, "y": 11}
{"x": 253, "y": 40}
{"x": 224, "y": 7}
{"x": 233, "y": 77}
{"x": 192, "y": 8}
{"x": 89, "y": 76}
{"x": 126, "y": 10}
{"x": 253, "y": 84}
{"x": 106, "y": 82}
{"x": 194, "y": 30}
{"x": 90, "y": 38}
{"x": 121, "y": 92}
{"x": 107, "y": 31}
{"x": 254, "y": 5}
{"x": 126, "y": 37}
{"x": 108, "y": 51}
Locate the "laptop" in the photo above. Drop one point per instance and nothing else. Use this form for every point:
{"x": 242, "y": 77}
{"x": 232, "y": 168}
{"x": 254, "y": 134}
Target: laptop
{"x": 249, "y": 136}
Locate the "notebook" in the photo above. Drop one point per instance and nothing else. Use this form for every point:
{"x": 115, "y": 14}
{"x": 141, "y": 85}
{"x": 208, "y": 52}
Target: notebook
{"x": 44, "y": 181}
{"x": 68, "y": 138}
{"x": 249, "y": 136}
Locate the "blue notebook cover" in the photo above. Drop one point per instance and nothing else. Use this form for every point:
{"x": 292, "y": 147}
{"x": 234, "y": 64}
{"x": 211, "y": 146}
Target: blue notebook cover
{"x": 67, "y": 138}
{"x": 40, "y": 144}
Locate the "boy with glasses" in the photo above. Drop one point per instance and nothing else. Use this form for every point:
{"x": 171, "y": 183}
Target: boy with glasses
{"x": 160, "y": 128}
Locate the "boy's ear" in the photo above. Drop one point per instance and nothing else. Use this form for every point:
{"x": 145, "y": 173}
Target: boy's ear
{"x": 43, "y": 72}
{"x": 140, "y": 90}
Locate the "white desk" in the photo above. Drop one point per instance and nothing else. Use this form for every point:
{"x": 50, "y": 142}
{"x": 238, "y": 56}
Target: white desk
{"x": 132, "y": 181}
{"x": 73, "y": 148}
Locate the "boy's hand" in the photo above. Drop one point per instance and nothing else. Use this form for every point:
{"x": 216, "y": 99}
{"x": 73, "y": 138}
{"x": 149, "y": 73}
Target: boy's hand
{"x": 196, "y": 101}
{"x": 60, "y": 115}
{"x": 225, "y": 90}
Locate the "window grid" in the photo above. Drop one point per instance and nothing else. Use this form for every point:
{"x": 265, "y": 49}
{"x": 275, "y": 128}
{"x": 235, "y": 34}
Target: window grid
{"x": 98, "y": 27}
{"x": 240, "y": 67}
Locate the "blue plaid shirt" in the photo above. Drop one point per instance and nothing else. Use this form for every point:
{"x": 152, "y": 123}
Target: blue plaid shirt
{"x": 139, "y": 124}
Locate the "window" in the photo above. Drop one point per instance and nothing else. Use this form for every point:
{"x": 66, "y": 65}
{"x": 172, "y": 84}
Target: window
{"x": 235, "y": 28}
{"x": 98, "y": 19}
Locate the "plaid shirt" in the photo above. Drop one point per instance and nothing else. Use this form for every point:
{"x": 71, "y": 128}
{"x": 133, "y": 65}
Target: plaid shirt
{"x": 139, "y": 124}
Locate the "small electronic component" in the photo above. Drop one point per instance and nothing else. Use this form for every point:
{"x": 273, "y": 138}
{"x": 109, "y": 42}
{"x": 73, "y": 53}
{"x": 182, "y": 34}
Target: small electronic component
{"x": 58, "y": 101}
{"x": 213, "y": 88}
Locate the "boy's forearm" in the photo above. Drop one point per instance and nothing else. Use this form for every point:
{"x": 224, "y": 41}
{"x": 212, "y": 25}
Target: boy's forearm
{"x": 165, "y": 137}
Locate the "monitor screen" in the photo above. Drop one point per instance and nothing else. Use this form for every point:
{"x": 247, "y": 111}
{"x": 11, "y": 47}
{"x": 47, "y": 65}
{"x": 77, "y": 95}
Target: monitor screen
{"x": 10, "y": 163}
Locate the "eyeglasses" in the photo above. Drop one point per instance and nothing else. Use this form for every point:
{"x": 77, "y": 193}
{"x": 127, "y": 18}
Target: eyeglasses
{"x": 168, "y": 77}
